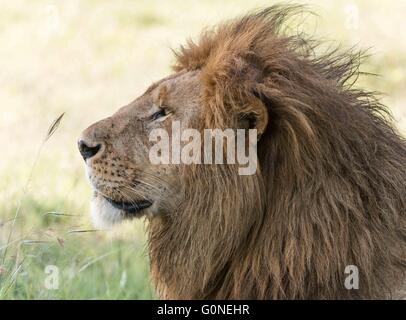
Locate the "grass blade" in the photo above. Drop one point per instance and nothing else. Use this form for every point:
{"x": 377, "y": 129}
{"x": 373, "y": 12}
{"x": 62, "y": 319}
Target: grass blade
{"x": 55, "y": 124}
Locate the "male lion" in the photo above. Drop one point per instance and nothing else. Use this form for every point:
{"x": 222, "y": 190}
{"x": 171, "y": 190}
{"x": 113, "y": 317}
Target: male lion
{"x": 329, "y": 191}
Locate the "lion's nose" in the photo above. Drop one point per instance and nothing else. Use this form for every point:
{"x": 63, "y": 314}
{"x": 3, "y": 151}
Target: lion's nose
{"x": 86, "y": 150}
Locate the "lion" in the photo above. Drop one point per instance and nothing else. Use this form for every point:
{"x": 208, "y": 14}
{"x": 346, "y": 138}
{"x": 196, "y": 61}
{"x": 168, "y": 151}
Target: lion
{"x": 328, "y": 194}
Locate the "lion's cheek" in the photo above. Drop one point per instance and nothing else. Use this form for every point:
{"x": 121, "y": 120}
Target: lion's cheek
{"x": 103, "y": 214}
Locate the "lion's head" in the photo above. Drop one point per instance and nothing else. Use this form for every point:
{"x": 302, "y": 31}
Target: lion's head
{"x": 329, "y": 190}
{"x": 116, "y": 151}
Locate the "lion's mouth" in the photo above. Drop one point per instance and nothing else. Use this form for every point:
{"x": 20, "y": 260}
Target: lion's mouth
{"x": 130, "y": 207}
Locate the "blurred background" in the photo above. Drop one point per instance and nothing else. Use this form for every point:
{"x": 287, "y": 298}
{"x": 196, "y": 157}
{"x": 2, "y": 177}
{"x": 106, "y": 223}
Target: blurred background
{"x": 87, "y": 59}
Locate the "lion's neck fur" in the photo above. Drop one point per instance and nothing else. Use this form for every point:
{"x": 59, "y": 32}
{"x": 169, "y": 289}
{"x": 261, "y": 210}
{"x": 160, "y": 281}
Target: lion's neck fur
{"x": 290, "y": 230}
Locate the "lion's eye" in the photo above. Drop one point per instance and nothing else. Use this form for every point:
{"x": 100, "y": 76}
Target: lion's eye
{"x": 159, "y": 114}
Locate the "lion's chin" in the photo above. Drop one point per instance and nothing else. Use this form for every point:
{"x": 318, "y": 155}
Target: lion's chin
{"x": 106, "y": 212}
{"x": 103, "y": 214}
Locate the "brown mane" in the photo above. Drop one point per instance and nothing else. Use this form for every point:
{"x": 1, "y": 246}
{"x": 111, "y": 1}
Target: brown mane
{"x": 330, "y": 190}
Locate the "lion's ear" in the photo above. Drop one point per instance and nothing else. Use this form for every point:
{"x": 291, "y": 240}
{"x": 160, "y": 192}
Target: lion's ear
{"x": 255, "y": 116}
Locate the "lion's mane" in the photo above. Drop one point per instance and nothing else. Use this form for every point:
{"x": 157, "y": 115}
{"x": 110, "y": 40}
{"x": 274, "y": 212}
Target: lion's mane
{"x": 330, "y": 190}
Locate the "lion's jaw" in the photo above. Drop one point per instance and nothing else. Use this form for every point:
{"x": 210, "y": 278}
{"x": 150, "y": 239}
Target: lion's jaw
{"x": 103, "y": 214}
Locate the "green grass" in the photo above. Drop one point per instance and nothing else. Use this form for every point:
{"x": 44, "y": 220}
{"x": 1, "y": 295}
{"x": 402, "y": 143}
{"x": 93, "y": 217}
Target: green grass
{"x": 88, "y": 58}
{"x": 88, "y": 266}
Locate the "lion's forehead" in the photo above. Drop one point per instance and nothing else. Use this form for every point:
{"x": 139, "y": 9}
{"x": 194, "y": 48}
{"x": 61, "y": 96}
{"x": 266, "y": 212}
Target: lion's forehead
{"x": 179, "y": 89}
